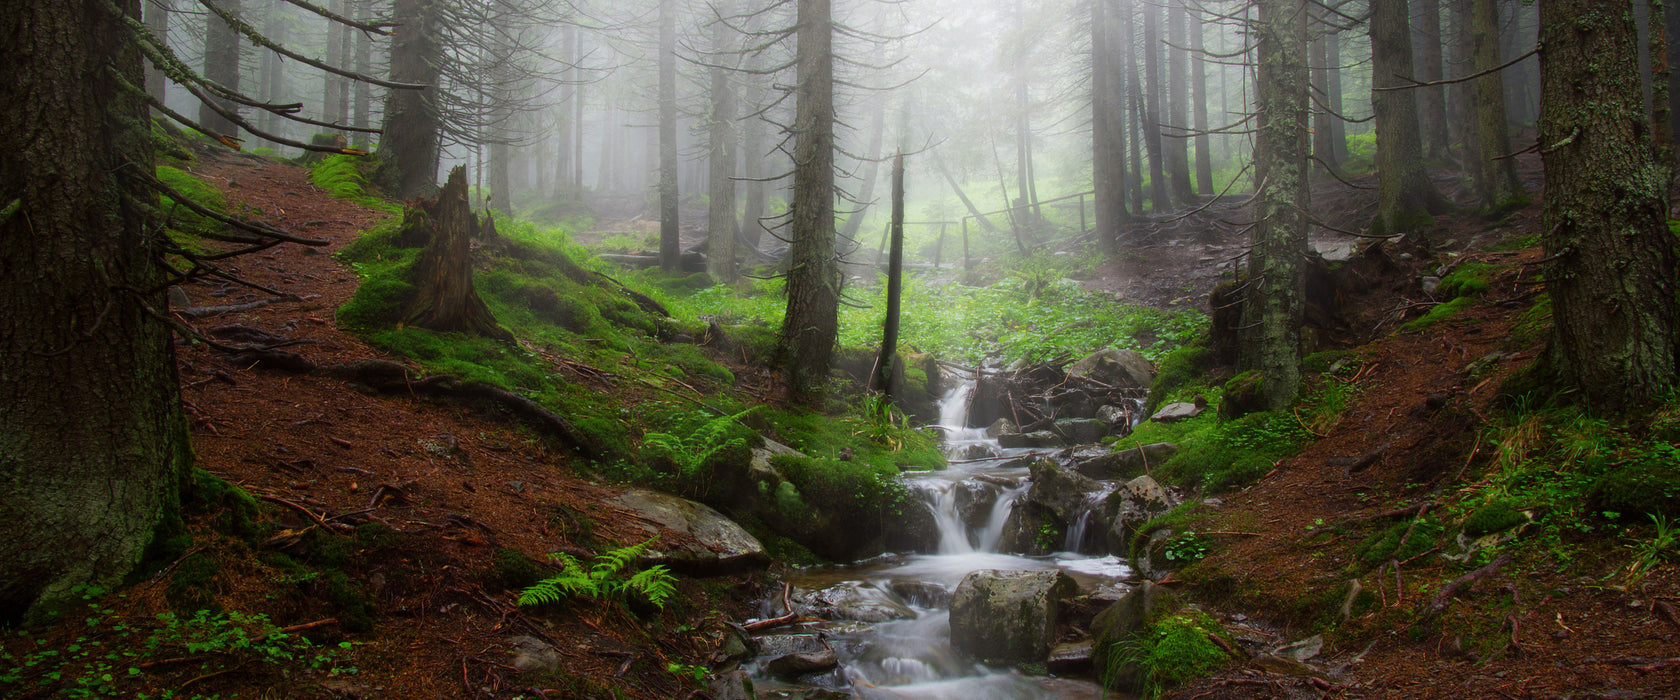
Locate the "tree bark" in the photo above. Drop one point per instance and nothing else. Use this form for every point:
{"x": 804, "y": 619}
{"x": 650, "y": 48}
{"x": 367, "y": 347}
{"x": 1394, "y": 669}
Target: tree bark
{"x": 1611, "y": 270}
{"x": 1495, "y": 176}
{"x": 1159, "y": 195}
{"x": 408, "y": 154}
{"x": 885, "y": 365}
{"x": 330, "y": 106}
{"x": 1460, "y": 96}
{"x": 1108, "y": 136}
{"x": 720, "y": 216}
{"x": 1406, "y": 198}
{"x": 670, "y": 241}
{"x": 157, "y": 22}
{"x": 871, "y": 169}
{"x": 1198, "y": 103}
{"x": 444, "y": 297}
{"x": 1432, "y": 101}
{"x": 1131, "y": 118}
{"x": 1178, "y": 107}
{"x": 1273, "y": 304}
{"x": 221, "y": 66}
{"x": 364, "y": 89}
{"x": 1322, "y": 134}
{"x": 811, "y": 325}
{"x": 1333, "y": 64}
{"x": 94, "y": 449}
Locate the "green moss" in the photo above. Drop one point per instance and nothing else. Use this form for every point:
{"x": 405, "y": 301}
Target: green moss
{"x": 1170, "y": 652}
{"x": 1384, "y": 545}
{"x": 1182, "y": 369}
{"x": 345, "y": 177}
{"x": 1648, "y": 486}
{"x": 1321, "y": 362}
{"x": 1497, "y": 516}
{"x": 513, "y": 571}
{"x": 1242, "y": 395}
{"x": 1469, "y": 279}
{"x": 1234, "y": 454}
{"x": 1440, "y": 313}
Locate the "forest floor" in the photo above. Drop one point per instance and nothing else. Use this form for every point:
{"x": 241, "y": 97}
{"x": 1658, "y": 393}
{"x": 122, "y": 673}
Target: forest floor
{"x": 461, "y": 487}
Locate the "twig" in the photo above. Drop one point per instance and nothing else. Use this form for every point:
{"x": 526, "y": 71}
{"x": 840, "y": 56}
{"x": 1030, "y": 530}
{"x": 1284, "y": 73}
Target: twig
{"x": 1439, "y": 603}
{"x": 787, "y": 603}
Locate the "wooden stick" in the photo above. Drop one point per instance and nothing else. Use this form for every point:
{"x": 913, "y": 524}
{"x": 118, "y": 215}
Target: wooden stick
{"x": 1439, "y": 603}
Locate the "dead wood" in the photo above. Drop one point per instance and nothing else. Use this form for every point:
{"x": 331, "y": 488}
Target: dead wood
{"x": 1439, "y": 603}
{"x": 207, "y": 311}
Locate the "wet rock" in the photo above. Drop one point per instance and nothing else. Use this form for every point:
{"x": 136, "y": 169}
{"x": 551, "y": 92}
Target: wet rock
{"x": 1040, "y": 438}
{"x": 976, "y": 450}
{"x": 795, "y": 665}
{"x": 1301, "y": 650}
{"x": 1061, "y": 490}
{"x": 1070, "y": 657}
{"x": 913, "y": 528}
{"x": 975, "y": 500}
{"x": 1174, "y": 412}
{"x": 714, "y": 544}
{"x": 1127, "y": 369}
{"x": 1082, "y": 431}
{"x": 1001, "y": 427}
{"x": 1030, "y": 529}
{"x": 1072, "y": 404}
{"x": 1126, "y": 464}
{"x": 1118, "y": 418}
{"x": 532, "y": 655}
{"x": 1132, "y": 505}
{"x": 774, "y": 645}
{"x": 853, "y": 601}
{"x": 733, "y": 685}
{"x": 1121, "y": 622}
{"x": 1008, "y": 617}
{"x": 986, "y": 404}
{"x": 922, "y": 593}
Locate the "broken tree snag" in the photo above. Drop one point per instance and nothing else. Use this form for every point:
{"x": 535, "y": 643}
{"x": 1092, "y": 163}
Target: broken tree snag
{"x": 444, "y": 297}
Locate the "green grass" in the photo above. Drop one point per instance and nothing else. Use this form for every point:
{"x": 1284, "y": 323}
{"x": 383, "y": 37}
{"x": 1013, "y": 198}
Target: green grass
{"x": 1439, "y": 313}
{"x": 343, "y": 176}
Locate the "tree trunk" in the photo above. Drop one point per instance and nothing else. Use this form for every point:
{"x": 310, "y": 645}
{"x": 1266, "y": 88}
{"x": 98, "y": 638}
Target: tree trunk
{"x": 866, "y": 194}
{"x": 1131, "y": 119}
{"x": 1406, "y": 198}
{"x": 752, "y": 149}
{"x": 1198, "y": 104}
{"x": 157, "y": 22}
{"x": 1108, "y": 137}
{"x": 1178, "y": 108}
{"x": 330, "y": 106}
{"x": 1495, "y": 176}
{"x": 957, "y": 189}
{"x": 1320, "y": 73}
{"x": 444, "y": 297}
{"x": 1160, "y": 198}
{"x": 408, "y": 153}
{"x": 94, "y": 449}
{"x": 670, "y": 241}
{"x": 1273, "y": 304}
{"x": 811, "y": 325}
{"x": 1460, "y": 96}
{"x": 884, "y": 366}
{"x": 720, "y": 215}
{"x": 1333, "y": 64}
{"x": 1611, "y": 270}
{"x": 1671, "y": 25}
{"x": 221, "y": 66}
{"x": 364, "y": 89}
{"x": 1432, "y": 101}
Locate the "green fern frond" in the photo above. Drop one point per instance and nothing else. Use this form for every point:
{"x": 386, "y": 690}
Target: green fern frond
{"x": 655, "y": 583}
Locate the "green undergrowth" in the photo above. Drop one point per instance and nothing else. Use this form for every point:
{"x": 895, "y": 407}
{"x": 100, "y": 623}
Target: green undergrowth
{"x": 1167, "y": 653}
{"x": 1219, "y": 456}
{"x": 185, "y": 226}
{"x": 1439, "y": 313}
{"x": 345, "y": 177}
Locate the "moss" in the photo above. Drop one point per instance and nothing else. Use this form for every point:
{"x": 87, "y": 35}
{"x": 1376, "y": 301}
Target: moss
{"x": 1497, "y": 516}
{"x": 1384, "y": 545}
{"x": 1469, "y": 279}
{"x": 1170, "y": 652}
{"x": 1321, "y": 362}
{"x": 190, "y": 583}
{"x": 1440, "y": 313}
{"x": 1649, "y": 486}
{"x": 513, "y": 571}
{"x": 1183, "y": 368}
{"x": 1242, "y": 395}
{"x": 1235, "y": 453}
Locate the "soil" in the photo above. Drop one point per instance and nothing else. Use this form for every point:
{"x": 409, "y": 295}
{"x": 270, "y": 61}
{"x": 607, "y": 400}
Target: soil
{"x": 461, "y": 484}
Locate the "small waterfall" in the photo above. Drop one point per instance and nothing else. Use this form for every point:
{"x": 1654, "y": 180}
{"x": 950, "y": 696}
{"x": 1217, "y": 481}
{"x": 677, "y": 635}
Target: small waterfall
{"x": 1075, "y": 539}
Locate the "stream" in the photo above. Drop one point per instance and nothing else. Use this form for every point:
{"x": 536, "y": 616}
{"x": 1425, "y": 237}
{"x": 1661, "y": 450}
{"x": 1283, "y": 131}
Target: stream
{"x": 889, "y": 626}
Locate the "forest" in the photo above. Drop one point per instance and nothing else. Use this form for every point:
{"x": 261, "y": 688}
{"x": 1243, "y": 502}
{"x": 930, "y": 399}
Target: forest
{"x": 738, "y": 349}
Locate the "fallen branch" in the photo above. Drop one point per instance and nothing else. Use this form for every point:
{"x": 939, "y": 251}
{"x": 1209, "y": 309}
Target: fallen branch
{"x": 1439, "y": 603}
{"x": 204, "y": 311}
{"x": 787, "y": 603}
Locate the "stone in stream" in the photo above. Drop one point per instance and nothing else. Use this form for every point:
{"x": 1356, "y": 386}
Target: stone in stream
{"x": 1128, "y": 463}
{"x": 852, "y": 601}
{"x": 1124, "y": 369}
{"x": 714, "y": 545}
{"x": 1082, "y": 431}
{"x": 1072, "y": 403}
{"x": 1175, "y": 412}
{"x": 1120, "y": 622}
{"x": 1118, "y": 418}
{"x": 795, "y": 665}
{"x": 914, "y": 529}
{"x": 1001, "y": 427}
{"x": 1130, "y": 506}
{"x": 1040, "y": 438}
{"x": 1008, "y": 617}
{"x": 733, "y": 685}
{"x": 974, "y": 501}
{"x": 1070, "y": 657}
{"x": 922, "y": 593}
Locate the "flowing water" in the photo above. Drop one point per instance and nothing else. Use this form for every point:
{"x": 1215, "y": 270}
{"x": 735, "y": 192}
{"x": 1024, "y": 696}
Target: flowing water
{"x": 895, "y": 642}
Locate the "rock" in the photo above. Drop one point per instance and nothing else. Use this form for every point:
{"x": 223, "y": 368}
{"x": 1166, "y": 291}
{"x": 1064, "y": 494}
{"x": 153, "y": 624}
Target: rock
{"x": 733, "y": 685}
{"x": 1001, "y": 427}
{"x": 736, "y": 645}
{"x": 1126, "y": 464}
{"x": 1174, "y": 412}
{"x": 976, "y": 450}
{"x": 986, "y": 404}
{"x": 1072, "y": 404}
{"x": 795, "y": 665}
{"x": 1120, "y": 622}
{"x": 1430, "y": 284}
{"x": 1063, "y": 491}
{"x": 714, "y": 545}
{"x": 922, "y": 594}
{"x": 1118, "y": 418}
{"x": 1008, "y": 617}
{"x": 1082, "y": 431}
{"x": 178, "y": 298}
{"x": 532, "y": 655}
{"x": 915, "y": 529}
{"x": 774, "y": 645}
{"x": 1070, "y": 657}
{"x": 1302, "y": 650}
{"x": 1130, "y": 506}
{"x": 1242, "y": 396}
{"x": 1041, "y": 438}
{"x": 974, "y": 501}
{"x": 1286, "y": 667}
{"x": 1126, "y": 369}
{"x": 853, "y": 601}
{"x": 760, "y": 468}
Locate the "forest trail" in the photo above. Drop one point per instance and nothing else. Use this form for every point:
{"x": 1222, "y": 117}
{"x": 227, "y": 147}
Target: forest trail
{"x": 465, "y": 482}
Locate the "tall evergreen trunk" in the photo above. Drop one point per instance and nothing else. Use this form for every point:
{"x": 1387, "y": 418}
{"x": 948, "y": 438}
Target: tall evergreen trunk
{"x": 1132, "y": 118}
{"x": 408, "y": 153}
{"x": 565, "y": 159}
{"x": 94, "y": 449}
{"x": 1495, "y": 175}
{"x": 330, "y": 106}
{"x": 1611, "y": 259}
{"x": 1274, "y": 302}
{"x": 753, "y": 171}
{"x": 157, "y": 22}
{"x": 1671, "y": 26}
{"x": 670, "y": 241}
{"x": 1461, "y": 102}
{"x": 1160, "y": 197}
{"x": 886, "y": 364}
{"x": 1319, "y": 72}
{"x": 577, "y": 119}
{"x": 1108, "y": 139}
{"x": 811, "y": 325}
{"x": 1406, "y": 198}
{"x": 1178, "y": 107}
{"x": 871, "y": 169}
{"x": 270, "y": 85}
{"x": 221, "y": 66}
{"x": 720, "y": 215}
{"x": 1198, "y": 105}
{"x": 1333, "y": 64}
{"x": 1432, "y": 101}
{"x": 364, "y": 65}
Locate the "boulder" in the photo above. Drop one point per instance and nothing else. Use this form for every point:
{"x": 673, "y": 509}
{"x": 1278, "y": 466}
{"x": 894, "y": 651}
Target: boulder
{"x": 1127, "y": 509}
{"x": 922, "y": 594}
{"x": 986, "y": 404}
{"x": 1125, "y": 369}
{"x": 1174, "y": 412}
{"x": 1082, "y": 431}
{"x": 976, "y": 450}
{"x": 1040, "y": 438}
{"x": 913, "y": 528}
{"x": 1128, "y": 463}
{"x": 1070, "y": 657}
{"x": 732, "y": 685}
{"x": 1118, "y": 418}
{"x": 795, "y": 665}
{"x": 532, "y": 655}
{"x": 853, "y": 601}
{"x": 1001, "y": 427}
{"x": 1120, "y": 622}
{"x": 1072, "y": 403}
{"x": 711, "y": 545}
{"x": 974, "y": 501}
{"x": 1008, "y": 617}
{"x": 1063, "y": 491}
{"x": 1030, "y": 529}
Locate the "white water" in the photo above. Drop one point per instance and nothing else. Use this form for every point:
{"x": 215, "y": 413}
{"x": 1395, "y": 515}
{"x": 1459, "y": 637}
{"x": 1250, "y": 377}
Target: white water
{"x": 912, "y": 658}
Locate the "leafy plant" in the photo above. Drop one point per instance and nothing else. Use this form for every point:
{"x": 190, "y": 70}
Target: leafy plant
{"x": 691, "y": 453}
{"x": 604, "y": 578}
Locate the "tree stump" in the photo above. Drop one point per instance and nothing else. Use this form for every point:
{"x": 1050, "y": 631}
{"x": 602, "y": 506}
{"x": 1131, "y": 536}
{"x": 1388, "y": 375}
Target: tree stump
{"x": 444, "y": 297}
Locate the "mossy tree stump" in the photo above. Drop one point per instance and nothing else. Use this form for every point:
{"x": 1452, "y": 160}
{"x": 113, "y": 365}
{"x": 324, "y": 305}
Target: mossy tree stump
{"x": 444, "y": 297}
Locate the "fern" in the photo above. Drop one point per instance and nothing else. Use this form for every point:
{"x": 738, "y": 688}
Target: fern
{"x": 603, "y": 579}
{"x": 690, "y": 454}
